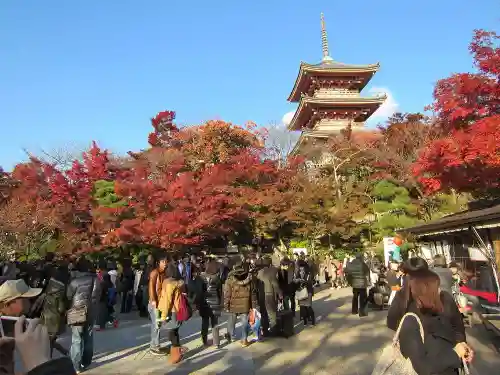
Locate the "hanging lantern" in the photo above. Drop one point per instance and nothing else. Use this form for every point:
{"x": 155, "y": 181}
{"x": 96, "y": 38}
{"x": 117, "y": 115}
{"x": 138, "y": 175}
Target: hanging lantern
{"x": 398, "y": 241}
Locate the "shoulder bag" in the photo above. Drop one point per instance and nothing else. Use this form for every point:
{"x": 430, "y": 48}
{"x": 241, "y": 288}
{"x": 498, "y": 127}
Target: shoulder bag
{"x": 78, "y": 315}
{"x": 391, "y": 361}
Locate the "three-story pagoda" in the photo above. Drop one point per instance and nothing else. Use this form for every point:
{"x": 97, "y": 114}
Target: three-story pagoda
{"x": 329, "y": 97}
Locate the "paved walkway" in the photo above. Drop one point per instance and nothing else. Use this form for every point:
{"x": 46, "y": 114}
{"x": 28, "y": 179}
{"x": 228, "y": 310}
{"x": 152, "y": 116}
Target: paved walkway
{"x": 339, "y": 344}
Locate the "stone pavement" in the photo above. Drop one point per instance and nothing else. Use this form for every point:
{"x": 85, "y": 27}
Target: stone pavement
{"x": 339, "y": 344}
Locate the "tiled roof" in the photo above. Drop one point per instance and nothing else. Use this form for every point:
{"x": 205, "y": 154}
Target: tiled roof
{"x": 458, "y": 220}
{"x": 331, "y": 65}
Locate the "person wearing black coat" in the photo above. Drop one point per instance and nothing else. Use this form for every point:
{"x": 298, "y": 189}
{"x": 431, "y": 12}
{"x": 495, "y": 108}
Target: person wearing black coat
{"x": 126, "y": 286}
{"x": 212, "y": 304}
{"x": 401, "y": 303}
{"x": 358, "y": 274}
{"x": 403, "y": 299}
{"x": 83, "y": 290}
{"x": 440, "y": 351}
{"x": 285, "y": 282}
{"x": 303, "y": 280}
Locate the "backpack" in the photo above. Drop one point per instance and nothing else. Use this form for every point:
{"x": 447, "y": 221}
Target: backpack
{"x": 391, "y": 361}
{"x": 54, "y": 307}
{"x": 184, "y": 310}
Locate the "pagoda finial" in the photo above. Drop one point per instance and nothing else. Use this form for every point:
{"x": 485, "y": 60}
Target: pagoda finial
{"x": 324, "y": 41}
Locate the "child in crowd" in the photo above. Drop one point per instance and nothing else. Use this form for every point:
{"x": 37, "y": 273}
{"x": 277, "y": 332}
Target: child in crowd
{"x": 254, "y": 319}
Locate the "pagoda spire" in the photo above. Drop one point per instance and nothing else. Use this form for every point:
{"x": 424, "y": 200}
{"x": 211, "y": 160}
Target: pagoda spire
{"x": 324, "y": 41}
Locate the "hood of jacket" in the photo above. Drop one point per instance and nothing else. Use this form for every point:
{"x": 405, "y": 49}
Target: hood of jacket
{"x": 78, "y": 274}
{"x": 240, "y": 276}
{"x": 268, "y": 273}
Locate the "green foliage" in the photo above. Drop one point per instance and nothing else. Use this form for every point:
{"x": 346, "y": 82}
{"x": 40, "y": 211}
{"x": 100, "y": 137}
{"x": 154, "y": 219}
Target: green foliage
{"x": 105, "y": 196}
{"x": 393, "y": 208}
{"x": 299, "y": 243}
{"x": 340, "y": 254}
{"x": 439, "y": 205}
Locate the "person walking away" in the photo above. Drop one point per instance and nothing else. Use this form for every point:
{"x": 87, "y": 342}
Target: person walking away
{"x": 126, "y": 286}
{"x": 187, "y": 268}
{"x": 156, "y": 278}
{"x": 341, "y": 283}
{"x": 104, "y": 280}
{"x": 143, "y": 285}
{"x": 138, "y": 270}
{"x": 238, "y": 300}
{"x": 181, "y": 267}
{"x": 224, "y": 270}
{"x": 286, "y": 285}
{"x": 445, "y": 274}
{"x": 170, "y": 300}
{"x": 333, "y": 273}
{"x": 357, "y": 273}
{"x": 325, "y": 269}
{"x": 441, "y": 353}
{"x": 113, "y": 273}
{"x": 15, "y": 298}
{"x": 196, "y": 293}
{"x": 213, "y": 298}
{"x": 303, "y": 280}
{"x": 268, "y": 275}
{"x": 84, "y": 293}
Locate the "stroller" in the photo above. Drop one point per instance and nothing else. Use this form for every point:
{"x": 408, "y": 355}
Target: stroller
{"x": 379, "y": 294}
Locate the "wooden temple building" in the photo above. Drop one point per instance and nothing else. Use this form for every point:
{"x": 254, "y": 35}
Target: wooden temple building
{"x": 329, "y": 97}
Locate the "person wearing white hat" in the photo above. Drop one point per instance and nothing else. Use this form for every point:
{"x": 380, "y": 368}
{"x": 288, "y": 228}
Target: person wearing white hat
{"x": 14, "y": 297}
{"x": 14, "y": 302}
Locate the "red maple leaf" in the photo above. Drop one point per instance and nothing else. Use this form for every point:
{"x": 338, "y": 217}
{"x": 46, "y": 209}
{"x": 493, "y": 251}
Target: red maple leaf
{"x": 467, "y": 107}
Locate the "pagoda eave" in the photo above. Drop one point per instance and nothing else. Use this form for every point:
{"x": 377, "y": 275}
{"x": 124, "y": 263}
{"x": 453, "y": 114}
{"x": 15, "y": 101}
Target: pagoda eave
{"x": 333, "y": 69}
{"x": 357, "y": 109}
{"x": 319, "y": 138}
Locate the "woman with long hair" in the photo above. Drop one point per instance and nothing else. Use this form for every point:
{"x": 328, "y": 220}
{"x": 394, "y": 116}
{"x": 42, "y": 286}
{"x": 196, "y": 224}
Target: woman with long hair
{"x": 171, "y": 292}
{"x": 439, "y": 352}
{"x": 403, "y": 298}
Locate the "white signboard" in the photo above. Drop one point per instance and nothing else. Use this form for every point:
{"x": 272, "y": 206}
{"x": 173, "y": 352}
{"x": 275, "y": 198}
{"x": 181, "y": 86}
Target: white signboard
{"x": 389, "y": 246}
{"x": 476, "y": 254}
{"x": 426, "y": 252}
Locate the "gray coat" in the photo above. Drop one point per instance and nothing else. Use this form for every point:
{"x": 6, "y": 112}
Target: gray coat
{"x": 445, "y": 278}
{"x": 269, "y": 277}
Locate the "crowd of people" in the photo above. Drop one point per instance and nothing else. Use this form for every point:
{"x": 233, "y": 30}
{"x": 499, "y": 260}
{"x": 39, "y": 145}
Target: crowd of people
{"x": 251, "y": 290}
{"x": 425, "y": 314}
{"x": 81, "y": 296}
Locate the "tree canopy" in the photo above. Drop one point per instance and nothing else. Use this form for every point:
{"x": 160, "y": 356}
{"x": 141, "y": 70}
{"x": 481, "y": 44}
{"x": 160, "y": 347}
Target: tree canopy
{"x": 198, "y": 184}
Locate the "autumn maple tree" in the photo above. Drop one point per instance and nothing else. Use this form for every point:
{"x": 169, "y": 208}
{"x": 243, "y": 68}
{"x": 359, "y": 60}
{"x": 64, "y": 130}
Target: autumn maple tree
{"x": 188, "y": 186}
{"x": 53, "y": 203}
{"x": 467, "y": 107}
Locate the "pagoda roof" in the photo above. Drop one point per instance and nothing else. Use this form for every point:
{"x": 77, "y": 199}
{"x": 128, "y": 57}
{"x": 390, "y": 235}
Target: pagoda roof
{"x": 308, "y": 104}
{"x": 330, "y": 68}
{"x": 324, "y": 136}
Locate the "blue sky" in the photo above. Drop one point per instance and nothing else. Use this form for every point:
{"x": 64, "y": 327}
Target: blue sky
{"x": 76, "y": 71}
